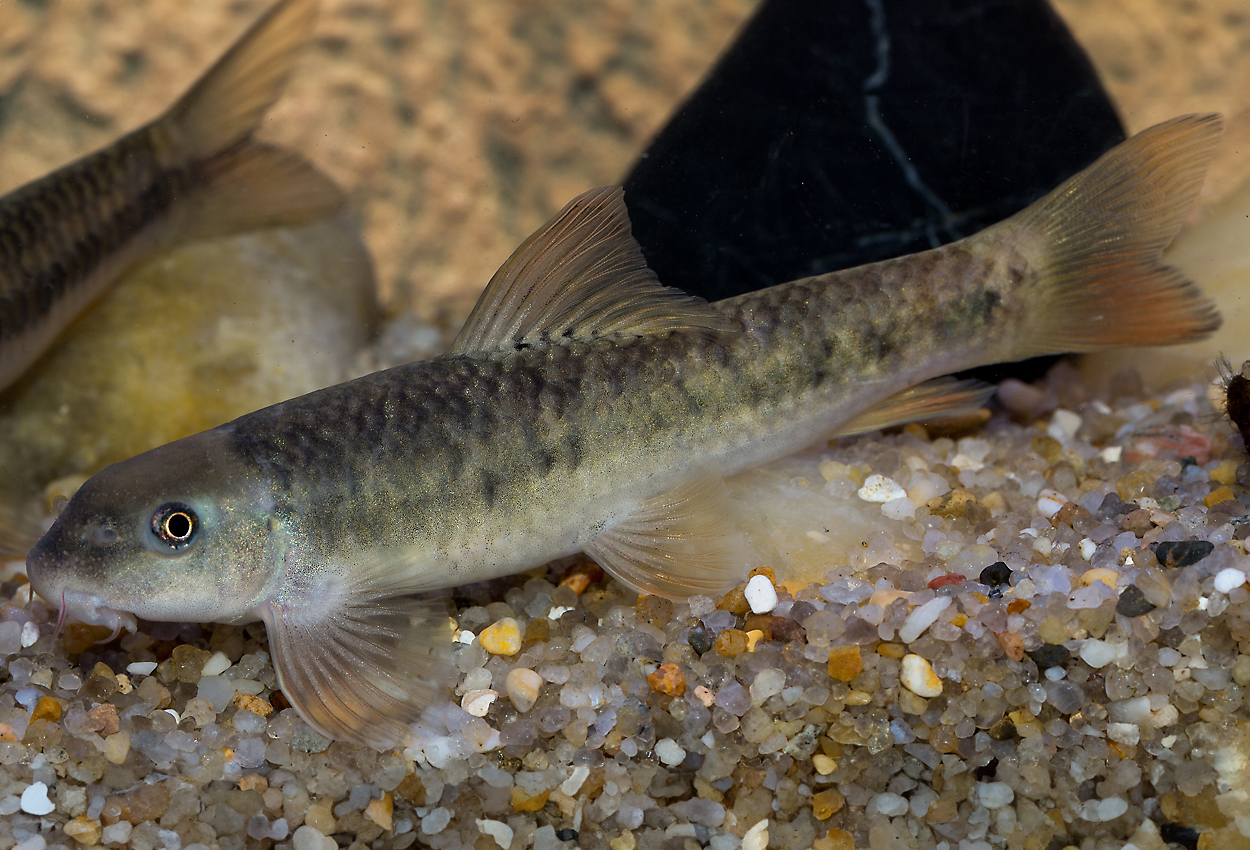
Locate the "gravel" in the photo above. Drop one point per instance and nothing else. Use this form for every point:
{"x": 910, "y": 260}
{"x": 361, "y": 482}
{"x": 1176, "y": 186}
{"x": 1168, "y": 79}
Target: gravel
{"x": 1052, "y": 644}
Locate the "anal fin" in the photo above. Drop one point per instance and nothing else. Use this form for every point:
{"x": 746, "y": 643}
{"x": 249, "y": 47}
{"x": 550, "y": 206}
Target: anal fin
{"x": 359, "y": 661}
{"x": 677, "y": 544}
{"x": 938, "y": 397}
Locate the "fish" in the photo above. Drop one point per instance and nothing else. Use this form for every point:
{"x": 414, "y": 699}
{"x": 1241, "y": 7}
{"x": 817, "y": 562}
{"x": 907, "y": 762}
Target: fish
{"x": 586, "y": 407}
{"x": 195, "y": 172}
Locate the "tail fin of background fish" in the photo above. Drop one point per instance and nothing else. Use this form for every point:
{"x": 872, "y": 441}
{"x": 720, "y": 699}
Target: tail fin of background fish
{"x": 193, "y": 173}
{"x": 239, "y": 183}
{"x": 1096, "y": 244}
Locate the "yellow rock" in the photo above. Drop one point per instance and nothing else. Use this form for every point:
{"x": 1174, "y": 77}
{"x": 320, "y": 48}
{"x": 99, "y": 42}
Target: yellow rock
{"x": 845, "y": 663}
{"x": 84, "y": 830}
{"x": 823, "y": 764}
{"x": 753, "y": 637}
{"x": 1219, "y": 494}
{"x": 46, "y": 709}
{"x": 1108, "y": 577}
{"x": 827, "y": 803}
{"x": 1225, "y": 472}
{"x": 380, "y": 811}
{"x": 523, "y": 802}
{"x": 502, "y": 637}
{"x": 193, "y": 338}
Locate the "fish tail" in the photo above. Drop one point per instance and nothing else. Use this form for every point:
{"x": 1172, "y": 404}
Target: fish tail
{"x": 240, "y": 183}
{"x": 1094, "y": 247}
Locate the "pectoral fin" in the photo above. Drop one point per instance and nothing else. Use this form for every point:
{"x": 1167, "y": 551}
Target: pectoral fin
{"x": 939, "y": 397}
{"x": 357, "y": 661}
{"x": 677, "y": 544}
{"x": 581, "y": 276}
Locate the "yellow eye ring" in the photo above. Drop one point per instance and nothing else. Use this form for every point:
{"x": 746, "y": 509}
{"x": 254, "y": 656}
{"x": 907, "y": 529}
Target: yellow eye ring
{"x": 175, "y": 524}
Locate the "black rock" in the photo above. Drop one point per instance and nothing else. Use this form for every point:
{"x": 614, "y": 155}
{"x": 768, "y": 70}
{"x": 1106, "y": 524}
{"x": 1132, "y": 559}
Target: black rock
{"x": 997, "y": 574}
{"x": 1174, "y": 833}
{"x": 1183, "y": 553}
{"x": 834, "y": 133}
{"x": 566, "y": 834}
{"x": 699, "y": 639}
{"x": 1050, "y": 655}
{"x": 1132, "y": 603}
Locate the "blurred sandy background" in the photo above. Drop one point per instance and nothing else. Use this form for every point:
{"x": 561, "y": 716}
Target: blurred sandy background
{"x": 459, "y": 127}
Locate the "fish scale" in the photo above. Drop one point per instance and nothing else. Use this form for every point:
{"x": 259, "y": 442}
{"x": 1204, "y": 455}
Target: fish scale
{"x": 586, "y": 407}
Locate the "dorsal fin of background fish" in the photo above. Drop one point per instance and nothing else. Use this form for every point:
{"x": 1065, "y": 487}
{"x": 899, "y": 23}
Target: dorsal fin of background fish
{"x": 195, "y": 172}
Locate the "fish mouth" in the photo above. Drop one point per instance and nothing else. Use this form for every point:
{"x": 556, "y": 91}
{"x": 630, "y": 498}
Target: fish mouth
{"x": 90, "y": 609}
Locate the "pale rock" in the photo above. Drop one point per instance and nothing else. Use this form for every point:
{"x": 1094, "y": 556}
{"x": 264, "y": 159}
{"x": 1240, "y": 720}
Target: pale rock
{"x": 919, "y": 678}
{"x": 523, "y": 686}
{"x": 878, "y": 488}
{"x": 760, "y": 594}
{"x": 497, "y": 830}
{"x": 756, "y": 838}
{"x": 35, "y": 799}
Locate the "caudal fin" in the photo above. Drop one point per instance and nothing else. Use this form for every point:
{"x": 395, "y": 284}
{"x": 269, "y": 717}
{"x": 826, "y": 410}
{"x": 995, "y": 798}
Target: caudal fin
{"x": 1096, "y": 244}
{"x": 242, "y": 184}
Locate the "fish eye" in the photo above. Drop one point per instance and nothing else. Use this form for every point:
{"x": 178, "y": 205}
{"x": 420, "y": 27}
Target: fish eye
{"x": 175, "y": 524}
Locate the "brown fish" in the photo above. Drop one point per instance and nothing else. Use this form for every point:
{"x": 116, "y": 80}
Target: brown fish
{"x": 195, "y": 172}
{"x": 585, "y": 407}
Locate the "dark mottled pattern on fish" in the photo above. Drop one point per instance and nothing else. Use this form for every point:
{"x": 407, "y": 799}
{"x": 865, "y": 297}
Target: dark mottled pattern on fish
{"x": 56, "y": 231}
{"x": 465, "y": 434}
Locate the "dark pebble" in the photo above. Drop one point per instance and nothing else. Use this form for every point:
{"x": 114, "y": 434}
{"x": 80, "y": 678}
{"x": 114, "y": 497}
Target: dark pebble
{"x": 699, "y": 639}
{"x": 784, "y": 630}
{"x": 987, "y": 771}
{"x": 1237, "y": 394}
{"x": 1174, "y": 833}
{"x": 1050, "y": 655}
{"x": 1183, "y": 553}
{"x": 1003, "y": 730}
{"x": 566, "y": 834}
{"x": 1132, "y": 603}
{"x": 995, "y": 575}
{"x": 1113, "y": 506}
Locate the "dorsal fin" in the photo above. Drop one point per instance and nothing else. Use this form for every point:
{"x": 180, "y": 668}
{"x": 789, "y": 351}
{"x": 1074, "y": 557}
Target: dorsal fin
{"x": 581, "y": 276}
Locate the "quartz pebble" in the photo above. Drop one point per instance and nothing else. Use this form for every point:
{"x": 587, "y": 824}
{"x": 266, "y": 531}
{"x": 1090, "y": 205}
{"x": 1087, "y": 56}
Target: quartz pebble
{"x": 761, "y": 595}
{"x": 523, "y": 686}
{"x": 502, "y": 637}
{"x": 878, "y": 488}
{"x": 919, "y": 678}
{"x": 309, "y": 838}
{"x": 1229, "y": 578}
{"x": 498, "y": 830}
{"x": 756, "y": 838}
{"x": 35, "y": 799}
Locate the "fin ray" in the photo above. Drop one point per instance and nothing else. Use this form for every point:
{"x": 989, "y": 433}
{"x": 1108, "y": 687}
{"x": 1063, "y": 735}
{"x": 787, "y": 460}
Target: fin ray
{"x": 939, "y": 397}
{"x": 581, "y": 276}
{"x": 1100, "y": 236}
{"x": 359, "y": 661}
{"x": 677, "y": 544}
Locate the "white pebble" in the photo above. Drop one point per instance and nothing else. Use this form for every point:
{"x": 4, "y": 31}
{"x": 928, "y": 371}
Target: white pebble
{"x": 966, "y": 463}
{"x": 669, "y": 752}
{"x": 1132, "y": 710}
{"x": 756, "y": 837}
{"x": 890, "y": 805}
{"x": 1124, "y": 733}
{"x": 1229, "y": 579}
{"x": 309, "y": 838}
{"x": 1063, "y": 425}
{"x": 523, "y": 686}
{"x": 900, "y": 508}
{"x": 1049, "y": 502}
{"x": 140, "y": 668}
{"x": 478, "y": 702}
{"x": 1088, "y": 548}
{"x": 1100, "y": 811}
{"x": 498, "y": 830}
{"x": 435, "y": 822}
{"x": 761, "y": 595}
{"x": 573, "y": 784}
{"x": 465, "y": 636}
{"x": 768, "y": 683}
{"x": 35, "y": 799}
{"x": 216, "y": 664}
{"x": 1098, "y": 653}
{"x": 1111, "y": 454}
{"x": 878, "y": 488}
{"x": 919, "y": 678}
{"x": 995, "y": 795}
{"x": 922, "y": 617}
{"x": 30, "y": 633}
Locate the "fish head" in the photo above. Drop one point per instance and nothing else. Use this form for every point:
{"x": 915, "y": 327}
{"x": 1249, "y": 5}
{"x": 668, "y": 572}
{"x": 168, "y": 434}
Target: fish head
{"x": 182, "y": 533}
